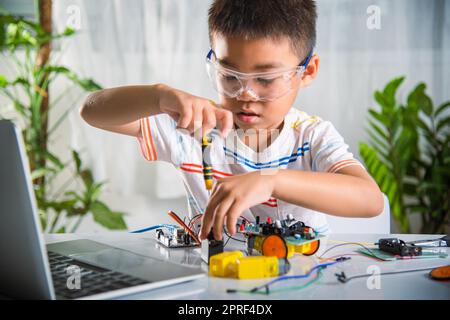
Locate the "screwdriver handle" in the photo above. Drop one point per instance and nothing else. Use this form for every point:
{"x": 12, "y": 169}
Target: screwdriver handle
{"x": 207, "y": 168}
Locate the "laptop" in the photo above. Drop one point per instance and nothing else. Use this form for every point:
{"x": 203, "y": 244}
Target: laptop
{"x": 77, "y": 269}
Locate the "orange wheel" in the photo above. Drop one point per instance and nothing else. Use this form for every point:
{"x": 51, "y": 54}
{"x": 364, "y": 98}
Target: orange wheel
{"x": 314, "y": 247}
{"x": 441, "y": 273}
{"x": 274, "y": 245}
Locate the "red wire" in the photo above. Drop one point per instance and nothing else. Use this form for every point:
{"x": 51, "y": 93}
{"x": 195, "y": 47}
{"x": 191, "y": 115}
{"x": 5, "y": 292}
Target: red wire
{"x": 174, "y": 216}
{"x": 196, "y": 219}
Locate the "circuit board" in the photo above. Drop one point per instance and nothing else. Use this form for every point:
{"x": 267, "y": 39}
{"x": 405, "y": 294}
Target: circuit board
{"x": 429, "y": 253}
{"x": 175, "y": 238}
{"x": 293, "y": 231}
{"x": 300, "y": 241}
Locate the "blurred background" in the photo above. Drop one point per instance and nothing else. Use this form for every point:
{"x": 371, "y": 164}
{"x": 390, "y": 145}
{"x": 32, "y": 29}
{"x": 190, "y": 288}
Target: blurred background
{"x": 363, "y": 45}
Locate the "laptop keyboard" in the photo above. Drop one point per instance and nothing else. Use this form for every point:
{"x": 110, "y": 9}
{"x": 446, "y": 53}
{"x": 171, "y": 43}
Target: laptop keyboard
{"x": 93, "y": 280}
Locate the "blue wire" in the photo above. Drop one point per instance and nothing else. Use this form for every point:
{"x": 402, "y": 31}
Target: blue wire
{"x": 168, "y": 226}
{"x": 282, "y": 278}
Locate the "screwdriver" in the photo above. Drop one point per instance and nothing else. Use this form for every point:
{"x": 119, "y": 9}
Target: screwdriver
{"x": 207, "y": 168}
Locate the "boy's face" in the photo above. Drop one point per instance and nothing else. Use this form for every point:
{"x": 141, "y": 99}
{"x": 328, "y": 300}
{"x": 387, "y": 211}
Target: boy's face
{"x": 261, "y": 55}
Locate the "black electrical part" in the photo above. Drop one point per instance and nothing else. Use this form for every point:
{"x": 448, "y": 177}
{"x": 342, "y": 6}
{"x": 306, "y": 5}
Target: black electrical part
{"x": 214, "y": 246}
{"x": 398, "y": 247}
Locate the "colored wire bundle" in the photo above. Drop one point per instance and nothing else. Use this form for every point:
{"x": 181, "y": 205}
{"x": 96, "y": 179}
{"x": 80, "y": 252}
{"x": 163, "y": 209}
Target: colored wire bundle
{"x": 265, "y": 288}
{"x": 164, "y": 225}
{"x": 230, "y": 237}
{"x": 193, "y": 220}
{"x": 172, "y": 228}
{"x": 318, "y": 276}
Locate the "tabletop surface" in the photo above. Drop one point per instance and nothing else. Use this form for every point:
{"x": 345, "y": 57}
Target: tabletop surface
{"x": 414, "y": 285}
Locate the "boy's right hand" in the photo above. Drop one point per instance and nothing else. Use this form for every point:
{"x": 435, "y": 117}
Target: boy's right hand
{"x": 192, "y": 113}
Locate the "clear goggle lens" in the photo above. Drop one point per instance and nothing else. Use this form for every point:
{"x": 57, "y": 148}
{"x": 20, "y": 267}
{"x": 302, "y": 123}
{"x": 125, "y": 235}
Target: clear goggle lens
{"x": 265, "y": 86}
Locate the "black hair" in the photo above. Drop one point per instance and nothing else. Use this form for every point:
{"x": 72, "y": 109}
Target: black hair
{"x": 253, "y": 19}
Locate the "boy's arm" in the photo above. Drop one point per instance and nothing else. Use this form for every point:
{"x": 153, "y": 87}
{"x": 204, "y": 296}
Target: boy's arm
{"x": 119, "y": 109}
{"x": 350, "y": 192}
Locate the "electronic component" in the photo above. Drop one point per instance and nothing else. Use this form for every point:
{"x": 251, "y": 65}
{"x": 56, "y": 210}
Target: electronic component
{"x": 175, "y": 238}
{"x": 174, "y": 216}
{"x": 288, "y": 227}
{"x": 398, "y": 247}
{"x": 281, "y": 238}
{"x": 235, "y": 265}
{"x": 210, "y": 247}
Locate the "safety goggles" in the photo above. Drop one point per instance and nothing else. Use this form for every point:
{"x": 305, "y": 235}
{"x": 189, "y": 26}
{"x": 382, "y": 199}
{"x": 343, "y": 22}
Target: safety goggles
{"x": 263, "y": 86}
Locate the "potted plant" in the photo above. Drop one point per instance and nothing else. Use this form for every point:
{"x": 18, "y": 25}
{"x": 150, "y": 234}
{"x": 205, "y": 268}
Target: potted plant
{"x": 28, "y": 46}
{"x": 409, "y": 156}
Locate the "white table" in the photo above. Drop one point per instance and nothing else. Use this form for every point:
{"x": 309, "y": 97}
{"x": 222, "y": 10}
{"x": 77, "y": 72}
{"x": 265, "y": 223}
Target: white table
{"x": 416, "y": 285}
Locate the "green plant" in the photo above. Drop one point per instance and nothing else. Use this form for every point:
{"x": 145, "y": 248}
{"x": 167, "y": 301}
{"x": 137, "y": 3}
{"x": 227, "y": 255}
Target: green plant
{"x": 409, "y": 156}
{"x": 27, "y": 45}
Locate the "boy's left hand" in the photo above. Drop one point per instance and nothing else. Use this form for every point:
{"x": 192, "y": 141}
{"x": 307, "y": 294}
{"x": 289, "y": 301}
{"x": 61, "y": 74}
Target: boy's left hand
{"x": 231, "y": 196}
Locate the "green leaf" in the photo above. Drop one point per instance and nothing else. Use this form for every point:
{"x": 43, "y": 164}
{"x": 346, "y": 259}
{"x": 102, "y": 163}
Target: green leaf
{"x": 93, "y": 192}
{"x": 61, "y": 230}
{"x": 74, "y": 195}
{"x": 443, "y": 124}
{"x": 421, "y": 124}
{"x": 391, "y": 89}
{"x": 107, "y": 218}
{"x": 377, "y": 168}
{"x": 68, "y": 205}
{"x": 384, "y": 178}
{"x": 76, "y": 158}
{"x": 441, "y": 108}
{"x": 383, "y": 102}
{"x": 379, "y": 117}
{"x": 3, "y": 81}
{"x": 43, "y": 218}
{"x": 68, "y": 32}
{"x": 378, "y": 130}
{"x": 86, "y": 176}
{"x": 53, "y": 158}
{"x": 85, "y": 83}
{"x": 419, "y": 100}
{"x": 41, "y": 172}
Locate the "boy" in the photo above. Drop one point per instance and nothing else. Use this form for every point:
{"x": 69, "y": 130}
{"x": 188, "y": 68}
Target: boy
{"x": 268, "y": 159}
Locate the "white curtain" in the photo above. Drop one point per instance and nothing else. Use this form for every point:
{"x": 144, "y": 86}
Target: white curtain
{"x": 147, "y": 41}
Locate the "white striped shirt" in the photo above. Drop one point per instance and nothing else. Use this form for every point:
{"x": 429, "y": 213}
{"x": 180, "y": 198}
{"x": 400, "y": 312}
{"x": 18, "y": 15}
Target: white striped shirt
{"x": 305, "y": 143}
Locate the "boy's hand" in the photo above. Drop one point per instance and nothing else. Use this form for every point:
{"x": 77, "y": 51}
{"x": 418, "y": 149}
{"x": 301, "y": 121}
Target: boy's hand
{"x": 194, "y": 113}
{"x": 231, "y": 196}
